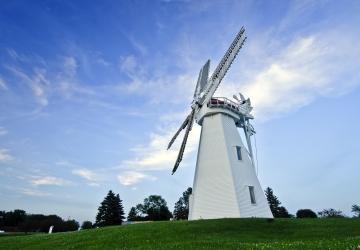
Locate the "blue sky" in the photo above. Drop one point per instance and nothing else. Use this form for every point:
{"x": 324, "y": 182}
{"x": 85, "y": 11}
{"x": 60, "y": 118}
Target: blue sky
{"x": 91, "y": 92}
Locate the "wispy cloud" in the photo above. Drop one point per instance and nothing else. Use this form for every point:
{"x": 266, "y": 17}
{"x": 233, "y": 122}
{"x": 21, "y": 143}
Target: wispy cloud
{"x": 87, "y": 174}
{"x": 49, "y": 80}
{"x": 70, "y": 66}
{"x": 155, "y": 156}
{"x": 37, "y": 82}
{"x": 308, "y": 68}
{"x": 48, "y": 181}
{"x": 34, "y": 192}
{"x": 129, "y": 178}
{"x": 129, "y": 65}
{"x": 138, "y": 45}
{"x": 5, "y": 155}
{"x": 3, "y": 131}
{"x": 2, "y": 84}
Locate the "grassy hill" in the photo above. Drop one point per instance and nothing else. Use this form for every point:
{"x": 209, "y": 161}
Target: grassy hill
{"x": 203, "y": 234}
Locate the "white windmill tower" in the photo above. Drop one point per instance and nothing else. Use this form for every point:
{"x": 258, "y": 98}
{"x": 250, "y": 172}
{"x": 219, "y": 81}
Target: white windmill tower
{"x": 225, "y": 182}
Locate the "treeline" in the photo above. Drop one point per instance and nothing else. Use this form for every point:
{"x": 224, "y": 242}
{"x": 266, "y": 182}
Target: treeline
{"x": 153, "y": 208}
{"x": 281, "y": 212}
{"x": 19, "y": 221}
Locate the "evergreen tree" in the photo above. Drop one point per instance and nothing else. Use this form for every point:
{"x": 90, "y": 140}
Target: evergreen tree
{"x": 132, "y": 216}
{"x": 283, "y": 213}
{"x": 111, "y": 211}
{"x": 137, "y": 213}
{"x": 181, "y": 210}
{"x": 274, "y": 204}
{"x": 356, "y": 210}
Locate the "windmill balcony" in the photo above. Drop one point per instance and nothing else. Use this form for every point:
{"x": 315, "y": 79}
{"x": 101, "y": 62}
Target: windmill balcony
{"x": 223, "y": 102}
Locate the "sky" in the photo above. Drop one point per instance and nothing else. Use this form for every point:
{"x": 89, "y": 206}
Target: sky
{"x": 92, "y": 91}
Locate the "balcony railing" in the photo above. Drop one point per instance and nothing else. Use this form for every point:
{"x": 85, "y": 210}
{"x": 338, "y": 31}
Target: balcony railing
{"x": 223, "y": 102}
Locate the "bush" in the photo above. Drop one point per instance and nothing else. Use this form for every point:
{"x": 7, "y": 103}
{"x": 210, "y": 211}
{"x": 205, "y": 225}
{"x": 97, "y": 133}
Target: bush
{"x": 305, "y": 213}
{"x": 331, "y": 213}
{"x": 87, "y": 225}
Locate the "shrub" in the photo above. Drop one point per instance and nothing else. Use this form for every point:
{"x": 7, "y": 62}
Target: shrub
{"x": 87, "y": 225}
{"x": 305, "y": 213}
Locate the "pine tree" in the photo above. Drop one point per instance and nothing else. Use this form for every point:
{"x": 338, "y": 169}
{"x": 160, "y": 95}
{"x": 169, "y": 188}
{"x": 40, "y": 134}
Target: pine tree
{"x": 274, "y": 204}
{"x": 181, "y": 210}
{"x": 132, "y": 216}
{"x": 356, "y": 210}
{"x": 111, "y": 211}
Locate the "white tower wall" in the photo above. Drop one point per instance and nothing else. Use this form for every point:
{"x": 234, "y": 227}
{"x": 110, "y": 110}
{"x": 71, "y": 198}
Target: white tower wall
{"x": 221, "y": 182}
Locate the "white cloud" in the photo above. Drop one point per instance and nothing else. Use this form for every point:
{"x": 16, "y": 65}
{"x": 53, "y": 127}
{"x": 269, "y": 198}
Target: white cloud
{"x": 2, "y": 84}
{"x": 128, "y": 64}
{"x": 102, "y": 62}
{"x": 48, "y": 181}
{"x": 40, "y": 94}
{"x": 86, "y": 174}
{"x": 4, "y": 155}
{"x": 155, "y": 156}
{"x": 93, "y": 184}
{"x": 308, "y": 68}
{"x": 37, "y": 82}
{"x": 138, "y": 46}
{"x": 34, "y": 192}
{"x": 45, "y": 82}
{"x": 129, "y": 178}
{"x": 3, "y": 131}
{"x": 70, "y": 66}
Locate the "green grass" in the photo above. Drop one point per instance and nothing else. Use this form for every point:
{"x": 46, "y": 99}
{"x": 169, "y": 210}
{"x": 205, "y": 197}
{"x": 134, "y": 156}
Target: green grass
{"x": 204, "y": 234}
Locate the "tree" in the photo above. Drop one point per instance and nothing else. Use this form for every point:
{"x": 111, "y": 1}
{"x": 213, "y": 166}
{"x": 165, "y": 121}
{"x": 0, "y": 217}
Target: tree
{"x": 154, "y": 208}
{"x": 137, "y": 213}
{"x": 356, "y": 209}
{"x": 86, "y": 225}
{"x": 13, "y": 218}
{"x": 331, "y": 213}
{"x": 181, "y": 210}
{"x": 111, "y": 211}
{"x": 132, "y": 216}
{"x": 274, "y": 204}
{"x": 283, "y": 213}
{"x": 305, "y": 213}
{"x": 70, "y": 225}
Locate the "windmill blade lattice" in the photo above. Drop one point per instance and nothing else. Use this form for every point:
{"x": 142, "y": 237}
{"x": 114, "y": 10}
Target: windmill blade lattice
{"x": 183, "y": 144}
{"x": 183, "y": 125}
{"x": 205, "y": 89}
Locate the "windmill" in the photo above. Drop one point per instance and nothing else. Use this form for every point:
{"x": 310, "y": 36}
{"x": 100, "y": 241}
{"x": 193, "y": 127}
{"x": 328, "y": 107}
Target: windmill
{"x": 225, "y": 182}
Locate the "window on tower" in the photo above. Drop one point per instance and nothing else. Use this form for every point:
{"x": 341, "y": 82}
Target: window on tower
{"x": 238, "y": 153}
{"x": 252, "y": 195}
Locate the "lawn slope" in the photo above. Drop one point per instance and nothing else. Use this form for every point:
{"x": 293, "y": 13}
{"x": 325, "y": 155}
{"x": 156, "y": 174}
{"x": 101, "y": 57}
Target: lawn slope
{"x": 204, "y": 234}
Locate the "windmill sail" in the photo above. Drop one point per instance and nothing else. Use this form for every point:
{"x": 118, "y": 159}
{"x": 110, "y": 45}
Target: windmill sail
{"x": 183, "y": 144}
{"x": 202, "y": 79}
{"x": 207, "y": 87}
{"x": 183, "y": 125}
{"x": 223, "y": 66}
